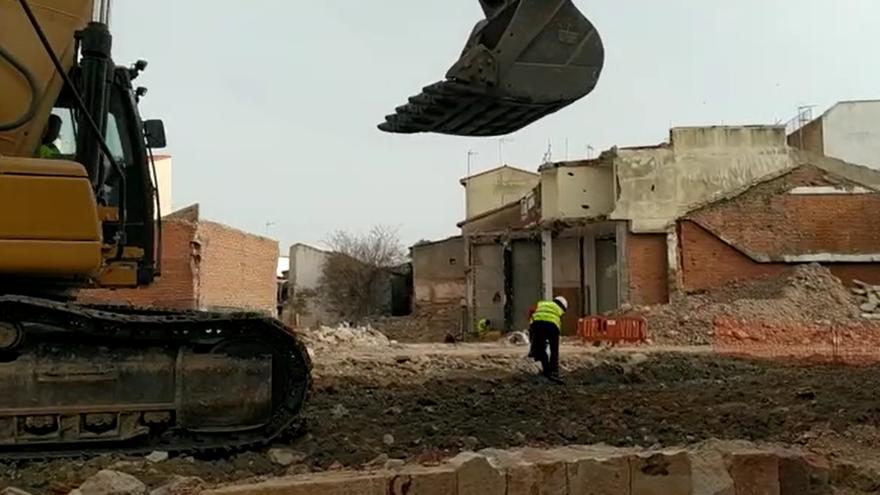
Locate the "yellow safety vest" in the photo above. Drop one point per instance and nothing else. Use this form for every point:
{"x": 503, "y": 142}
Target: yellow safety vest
{"x": 48, "y": 151}
{"x": 548, "y": 311}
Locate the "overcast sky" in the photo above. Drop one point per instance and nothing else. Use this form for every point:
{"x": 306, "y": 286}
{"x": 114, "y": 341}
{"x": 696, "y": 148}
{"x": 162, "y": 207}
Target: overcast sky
{"x": 271, "y": 106}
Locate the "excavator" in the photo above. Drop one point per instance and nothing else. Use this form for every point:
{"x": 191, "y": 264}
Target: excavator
{"x": 79, "y": 209}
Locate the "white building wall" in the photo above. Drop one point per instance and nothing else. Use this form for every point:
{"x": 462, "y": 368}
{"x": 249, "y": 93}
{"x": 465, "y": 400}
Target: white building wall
{"x": 306, "y": 266}
{"x": 163, "y": 177}
{"x": 852, "y": 132}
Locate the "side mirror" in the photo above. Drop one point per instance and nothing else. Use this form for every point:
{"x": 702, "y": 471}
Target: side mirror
{"x": 154, "y": 132}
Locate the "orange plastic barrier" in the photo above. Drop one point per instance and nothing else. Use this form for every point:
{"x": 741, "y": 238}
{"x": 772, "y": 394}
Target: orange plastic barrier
{"x": 613, "y": 330}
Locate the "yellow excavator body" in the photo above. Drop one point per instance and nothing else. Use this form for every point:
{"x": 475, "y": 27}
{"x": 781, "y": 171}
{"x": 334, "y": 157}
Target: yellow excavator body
{"x": 76, "y": 378}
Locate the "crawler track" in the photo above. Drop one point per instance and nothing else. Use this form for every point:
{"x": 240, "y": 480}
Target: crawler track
{"x": 65, "y": 346}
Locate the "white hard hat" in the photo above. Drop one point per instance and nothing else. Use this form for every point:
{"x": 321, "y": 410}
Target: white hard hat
{"x": 562, "y": 302}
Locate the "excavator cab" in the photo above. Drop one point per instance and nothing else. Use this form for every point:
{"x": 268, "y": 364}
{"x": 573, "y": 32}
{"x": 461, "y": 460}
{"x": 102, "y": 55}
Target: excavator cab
{"x": 526, "y": 60}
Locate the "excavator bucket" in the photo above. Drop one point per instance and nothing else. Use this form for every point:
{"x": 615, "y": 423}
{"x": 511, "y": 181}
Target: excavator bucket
{"x": 526, "y": 60}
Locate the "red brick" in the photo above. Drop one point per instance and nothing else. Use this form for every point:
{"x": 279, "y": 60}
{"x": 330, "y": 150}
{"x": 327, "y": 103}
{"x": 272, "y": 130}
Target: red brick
{"x": 205, "y": 265}
{"x": 766, "y": 220}
{"x": 858, "y": 344}
{"x": 647, "y": 267}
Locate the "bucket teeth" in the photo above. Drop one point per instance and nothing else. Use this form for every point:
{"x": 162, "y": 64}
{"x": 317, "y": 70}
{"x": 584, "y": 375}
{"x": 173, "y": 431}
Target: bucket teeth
{"x": 526, "y": 60}
{"x": 449, "y": 108}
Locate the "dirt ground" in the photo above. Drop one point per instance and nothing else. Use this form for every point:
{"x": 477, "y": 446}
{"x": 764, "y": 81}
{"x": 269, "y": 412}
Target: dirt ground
{"x": 425, "y": 403}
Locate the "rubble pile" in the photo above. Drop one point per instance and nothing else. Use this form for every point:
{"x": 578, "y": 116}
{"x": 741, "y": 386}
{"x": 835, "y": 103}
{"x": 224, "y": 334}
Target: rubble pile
{"x": 807, "y": 294}
{"x": 430, "y": 324}
{"x": 868, "y": 298}
{"x": 325, "y": 338}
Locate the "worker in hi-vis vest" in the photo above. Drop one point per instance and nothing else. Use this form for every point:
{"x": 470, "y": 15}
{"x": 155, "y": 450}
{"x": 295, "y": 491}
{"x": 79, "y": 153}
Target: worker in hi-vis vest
{"x": 545, "y": 327}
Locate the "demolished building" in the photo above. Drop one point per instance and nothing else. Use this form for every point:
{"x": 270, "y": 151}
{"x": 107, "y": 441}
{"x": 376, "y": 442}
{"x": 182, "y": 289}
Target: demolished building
{"x": 639, "y": 225}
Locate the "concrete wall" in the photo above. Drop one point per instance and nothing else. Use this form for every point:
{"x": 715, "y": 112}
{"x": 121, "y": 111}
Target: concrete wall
{"x": 304, "y": 308}
{"x": 809, "y": 138}
{"x": 439, "y": 272}
{"x": 566, "y": 262}
{"x": 502, "y": 219}
{"x": 851, "y": 132}
{"x": 306, "y": 266}
{"x": 238, "y": 269}
{"x": 577, "y": 190}
{"x": 657, "y": 185}
{"x": 487, "y": 261}
{"x": 496, "y": 188}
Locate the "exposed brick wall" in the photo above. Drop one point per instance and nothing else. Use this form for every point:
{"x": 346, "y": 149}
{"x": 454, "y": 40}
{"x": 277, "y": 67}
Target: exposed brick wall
{"x": 175, "y": 288}
{"x": 717, "y": 243}
{"x": 205, "y": 265}
{"x": 768, "y": 221}
{"x": 237, "y": 269}
{"x": 647, "y": 266}
{"x": 707, "y": 262}
{"x": 851, "y": 344}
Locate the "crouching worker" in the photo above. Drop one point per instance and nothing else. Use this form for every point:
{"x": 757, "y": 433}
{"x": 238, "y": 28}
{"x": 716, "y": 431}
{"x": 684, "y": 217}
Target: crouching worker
{"x": 545, "y": 328}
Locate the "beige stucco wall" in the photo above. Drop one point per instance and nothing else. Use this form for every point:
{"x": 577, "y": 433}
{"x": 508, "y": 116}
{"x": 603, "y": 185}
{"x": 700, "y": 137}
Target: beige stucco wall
{"x": 163, "y": 177}
{"x": 657, "y": 185}
{"x": 497, "y": 188}
{"x": 584, "y": 191}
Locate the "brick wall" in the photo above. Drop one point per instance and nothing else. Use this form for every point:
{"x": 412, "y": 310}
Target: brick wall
{"x": 647, "y": 266}
{"x": 708, "y": 262}
{"x": 768, "y": 220}
{"x": 857, "y": 343}
{"x": 205, "y": 265}
{"x": 175, "y": 288}
{"x": 237, "y": 269}
{"x": 721, "y": 242}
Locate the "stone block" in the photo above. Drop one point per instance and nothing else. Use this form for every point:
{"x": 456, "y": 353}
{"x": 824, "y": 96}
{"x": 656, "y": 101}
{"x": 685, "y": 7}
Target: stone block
{"x": 315, "y": 484}
{"x": 661, "y": 473}
{"x": 476, "y": 476}
{"x": 423, "y": 480}
{"x": 709, "y": 474}
{"x": 539, "y": 472}
{"x": 804, "y": 475}
{"x": 599, "y": 475}
{"x": 754, "y": 472}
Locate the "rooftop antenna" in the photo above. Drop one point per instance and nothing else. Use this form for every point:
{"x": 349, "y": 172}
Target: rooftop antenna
{"x": 501, "y": 142}
{"x": 269, "y": 225}
{"x": 548, "y": 155}
{"x": 467, "y": 181}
